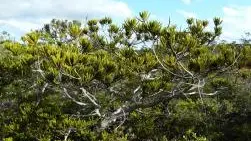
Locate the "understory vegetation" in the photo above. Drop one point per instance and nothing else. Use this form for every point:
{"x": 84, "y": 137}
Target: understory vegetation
{"x": 141, "y": 80}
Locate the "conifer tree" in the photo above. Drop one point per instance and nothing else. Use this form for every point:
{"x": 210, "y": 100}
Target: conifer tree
{"x": 100, "y": 81}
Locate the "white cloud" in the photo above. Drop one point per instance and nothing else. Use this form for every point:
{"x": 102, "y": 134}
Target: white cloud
{"x": 236, "y": 21}
{"x": 31, "y": 14}
{"x": 186, "y": 1}
{"x": 187, "y": 14}
{"x": 24, "y": 25}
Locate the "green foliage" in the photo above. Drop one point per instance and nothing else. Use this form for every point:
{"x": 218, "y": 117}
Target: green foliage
{"x": 139, "y": 81}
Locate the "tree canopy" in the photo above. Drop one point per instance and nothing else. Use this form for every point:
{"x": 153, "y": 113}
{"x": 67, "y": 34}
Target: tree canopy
{"x": 141, "y": 80}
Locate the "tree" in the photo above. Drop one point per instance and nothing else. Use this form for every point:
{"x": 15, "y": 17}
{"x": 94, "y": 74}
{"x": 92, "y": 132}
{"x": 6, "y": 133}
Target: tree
{"x": 96, "y": 80}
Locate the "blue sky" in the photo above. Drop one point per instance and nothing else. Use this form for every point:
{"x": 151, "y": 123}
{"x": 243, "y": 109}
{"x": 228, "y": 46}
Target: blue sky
{"x": 20, "y": 16}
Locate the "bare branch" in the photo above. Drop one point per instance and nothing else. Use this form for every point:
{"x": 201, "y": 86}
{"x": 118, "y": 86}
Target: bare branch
{"x": 185, "y": 68}
{"x": 162, "y": 65}
{"x": 145, "y": 103}
{"x": 124, "y": 119}
{"x": 90, "y": 97}
{"x": 38, "y": 68}
{"x": 71, "y": 76}
{"x": 200, "y": 84}
{"x": 67, "y": 134}
{"x": 45, "y": 86}
{"x": 67, "y": 94}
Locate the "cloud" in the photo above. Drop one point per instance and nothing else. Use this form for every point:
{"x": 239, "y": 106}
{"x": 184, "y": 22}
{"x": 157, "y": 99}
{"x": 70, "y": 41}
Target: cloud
{"x": 236, "y": 21}
{"x": 23, "y": 25}
{"x": 32, "y": 14}
{"x": 187, "y": 2}
{"x": 187, "y": 14}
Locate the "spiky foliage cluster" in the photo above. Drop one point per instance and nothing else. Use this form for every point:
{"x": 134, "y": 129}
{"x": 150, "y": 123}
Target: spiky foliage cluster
{"x": 139, "y": 81}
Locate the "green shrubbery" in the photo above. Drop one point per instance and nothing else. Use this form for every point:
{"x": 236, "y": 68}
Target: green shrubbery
{"x": 139, "y": 81}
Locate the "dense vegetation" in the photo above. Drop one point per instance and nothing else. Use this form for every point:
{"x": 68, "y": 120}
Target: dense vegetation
{"x": 139, "y": 81}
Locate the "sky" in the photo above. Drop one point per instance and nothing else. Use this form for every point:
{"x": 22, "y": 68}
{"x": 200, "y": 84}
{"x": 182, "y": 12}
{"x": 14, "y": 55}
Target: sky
{"x": 21, "y": 16}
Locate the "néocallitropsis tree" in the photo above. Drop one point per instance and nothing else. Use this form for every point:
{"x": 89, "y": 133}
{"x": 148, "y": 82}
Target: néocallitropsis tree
{"x": 79, "y": 79}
